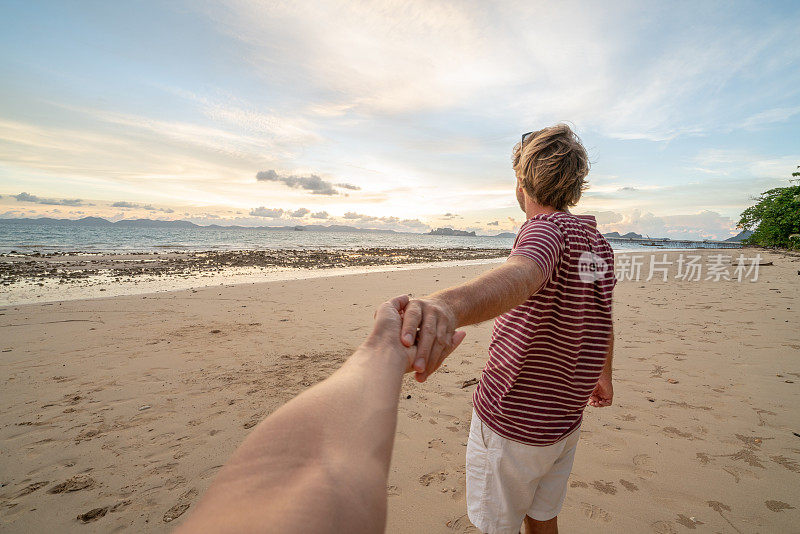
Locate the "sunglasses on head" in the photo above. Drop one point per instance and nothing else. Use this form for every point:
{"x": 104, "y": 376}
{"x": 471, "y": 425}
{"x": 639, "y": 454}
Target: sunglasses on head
{"x": 525, "y": 137}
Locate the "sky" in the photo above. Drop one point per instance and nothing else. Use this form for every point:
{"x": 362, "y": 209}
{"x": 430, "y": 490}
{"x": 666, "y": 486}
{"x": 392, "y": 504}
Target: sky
{"x": 394, "y": 114}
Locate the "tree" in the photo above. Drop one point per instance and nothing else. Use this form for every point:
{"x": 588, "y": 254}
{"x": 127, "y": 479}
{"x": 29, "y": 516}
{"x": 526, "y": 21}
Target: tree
{"x": 775, "y": 219}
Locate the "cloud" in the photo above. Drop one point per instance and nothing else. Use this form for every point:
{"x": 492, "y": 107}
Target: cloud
{"x": 270, "y": 213}
{"x": 493, "y": 223}
{"x": 604, "y": 217}
{"x": 320, "y": 215}
{"x": 26, "y": 197}
{"x": 657, "y": 73}
{"x": 312, "y": 182}
{"x": 770, "y": 116}
{"x": 414, "y": 224}
{"x": 132, "y": 205}
{"x": 302, "y": 212}
{"x": 349, "y": 186}
{"x": 706, "y": 224}
{"x": 385, "y": 222}
{"x": 627, "y": 188}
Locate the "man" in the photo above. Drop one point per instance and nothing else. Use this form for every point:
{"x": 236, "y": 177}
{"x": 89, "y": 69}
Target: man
{"x": 320, "y": 462}
{"x": 551, "y": 348}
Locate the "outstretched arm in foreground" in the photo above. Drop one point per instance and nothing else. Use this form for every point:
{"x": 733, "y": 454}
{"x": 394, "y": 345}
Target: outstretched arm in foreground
{"x": 482, "y": 298}
{"x": 320, "y": 462}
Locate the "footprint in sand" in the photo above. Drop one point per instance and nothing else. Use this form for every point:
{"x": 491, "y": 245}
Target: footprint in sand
{"x": 704, "y": 458}
{"x": 578, "y": 484}
{"x": 594, "y": 512}
{"x": 30, "y": 489}
{"x": 630, "y": 486}
{"x": 183, "y": 504}
{"x": 462, "y": 524}
{"x": 675, "y": 432}
{"x": 392, "y": 490}
{"x": 747, "y": 456}
{"x": 688, "y": 522}
{"x": 642, "y": 466}
{"x": 175, "y": 512}
{"x": 663, "y": 527}
{"x": 786, "y": 463}
{"x": 433, "y": 476}
{"x": 778, "y": 506}
{"x": 93, "y": 515}
{"x": 76, "y": 483}
{"x": 605, "y": 487}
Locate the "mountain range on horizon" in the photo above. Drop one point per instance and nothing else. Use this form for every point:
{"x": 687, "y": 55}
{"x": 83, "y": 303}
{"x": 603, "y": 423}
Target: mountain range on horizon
{"x": 160, "y": 223}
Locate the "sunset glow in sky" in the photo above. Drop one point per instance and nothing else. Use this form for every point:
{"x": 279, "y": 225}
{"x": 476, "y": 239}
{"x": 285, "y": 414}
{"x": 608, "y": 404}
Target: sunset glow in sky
{"x": 393, "y": 114}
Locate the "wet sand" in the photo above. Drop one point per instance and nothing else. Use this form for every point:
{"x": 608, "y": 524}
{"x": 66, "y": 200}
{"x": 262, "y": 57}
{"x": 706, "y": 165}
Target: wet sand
{"x": 121, "y": 410}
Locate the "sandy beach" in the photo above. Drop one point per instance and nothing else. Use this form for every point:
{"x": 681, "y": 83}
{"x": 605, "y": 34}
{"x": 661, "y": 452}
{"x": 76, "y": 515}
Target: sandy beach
{"x": 121, "y": 410}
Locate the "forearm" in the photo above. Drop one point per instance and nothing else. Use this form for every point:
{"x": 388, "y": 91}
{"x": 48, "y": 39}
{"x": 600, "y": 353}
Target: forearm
{"x": 607, "y": 366}
{"x": 491, "y": 294}
{"x": 293, "y": 470}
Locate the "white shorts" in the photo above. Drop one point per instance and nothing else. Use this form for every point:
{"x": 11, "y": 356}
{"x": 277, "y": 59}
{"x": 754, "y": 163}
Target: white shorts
{"x": 507, "y": 480}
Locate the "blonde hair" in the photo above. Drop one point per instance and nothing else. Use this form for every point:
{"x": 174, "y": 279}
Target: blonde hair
{"x": 552, "y": 166}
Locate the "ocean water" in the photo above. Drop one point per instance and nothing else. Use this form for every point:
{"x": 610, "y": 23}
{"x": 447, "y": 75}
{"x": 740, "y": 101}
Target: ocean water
{"x": 47, "y": 238}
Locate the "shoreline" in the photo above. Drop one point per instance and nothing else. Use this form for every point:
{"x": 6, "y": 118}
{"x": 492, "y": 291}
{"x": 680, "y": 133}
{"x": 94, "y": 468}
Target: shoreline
{"x": 30, "y": 278}
{"x": 57, "y": 277}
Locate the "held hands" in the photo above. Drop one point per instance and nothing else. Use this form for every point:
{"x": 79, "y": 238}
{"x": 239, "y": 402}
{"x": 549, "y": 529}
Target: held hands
{"x": 399, "y": 318}
{"x": 436, "y": 338}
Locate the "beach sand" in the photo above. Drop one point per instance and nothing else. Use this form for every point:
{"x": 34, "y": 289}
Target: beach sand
{"x": 125, "y": 408}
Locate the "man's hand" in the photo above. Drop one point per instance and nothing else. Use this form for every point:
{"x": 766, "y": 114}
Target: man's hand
{"x": 436, "y": 338}
{"x": 391, "y": 317}
{"x": 603, "y": 393}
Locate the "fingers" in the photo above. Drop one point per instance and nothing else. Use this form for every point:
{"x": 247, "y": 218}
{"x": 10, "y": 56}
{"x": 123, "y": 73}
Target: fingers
{"x": 412, "y": 317}
{"x": 425, "y": 341}
{"x": 455, "y": 340}
{"x": 393, "y": 306}
{"x": 399, "y": 303}
{"x": 440, "y": 344}
{"x": 457, "y": 337}
{"x": 598, "y": 401}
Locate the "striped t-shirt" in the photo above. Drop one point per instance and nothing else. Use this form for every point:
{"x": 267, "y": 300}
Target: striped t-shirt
{"x": 546, "y": 354}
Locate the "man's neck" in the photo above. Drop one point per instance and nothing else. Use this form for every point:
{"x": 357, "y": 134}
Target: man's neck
{"x": 533, "y": 208}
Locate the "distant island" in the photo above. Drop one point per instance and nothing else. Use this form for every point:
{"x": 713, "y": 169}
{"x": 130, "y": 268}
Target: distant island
{"x": 451, "y": 232}
{"x": 629, "y": 235}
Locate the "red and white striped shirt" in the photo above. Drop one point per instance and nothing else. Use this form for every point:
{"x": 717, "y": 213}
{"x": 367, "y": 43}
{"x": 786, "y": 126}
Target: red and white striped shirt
{"x": 546, "y": 354}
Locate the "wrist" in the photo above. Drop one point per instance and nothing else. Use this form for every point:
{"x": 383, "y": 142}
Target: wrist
{"x": 446, "y": 306}
{"x": 376, "y": 350}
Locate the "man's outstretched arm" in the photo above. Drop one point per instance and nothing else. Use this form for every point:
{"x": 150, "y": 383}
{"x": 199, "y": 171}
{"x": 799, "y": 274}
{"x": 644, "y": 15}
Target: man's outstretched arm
{"x": 482, "y": 298}
{"x": 320, "y": 462}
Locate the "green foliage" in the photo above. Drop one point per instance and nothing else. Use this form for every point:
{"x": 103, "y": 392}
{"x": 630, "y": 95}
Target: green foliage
{"x": 775, "y": 219}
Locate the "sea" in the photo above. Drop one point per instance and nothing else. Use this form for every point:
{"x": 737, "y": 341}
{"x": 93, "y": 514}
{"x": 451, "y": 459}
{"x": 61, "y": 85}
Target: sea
{"x": 51, "y": 238}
